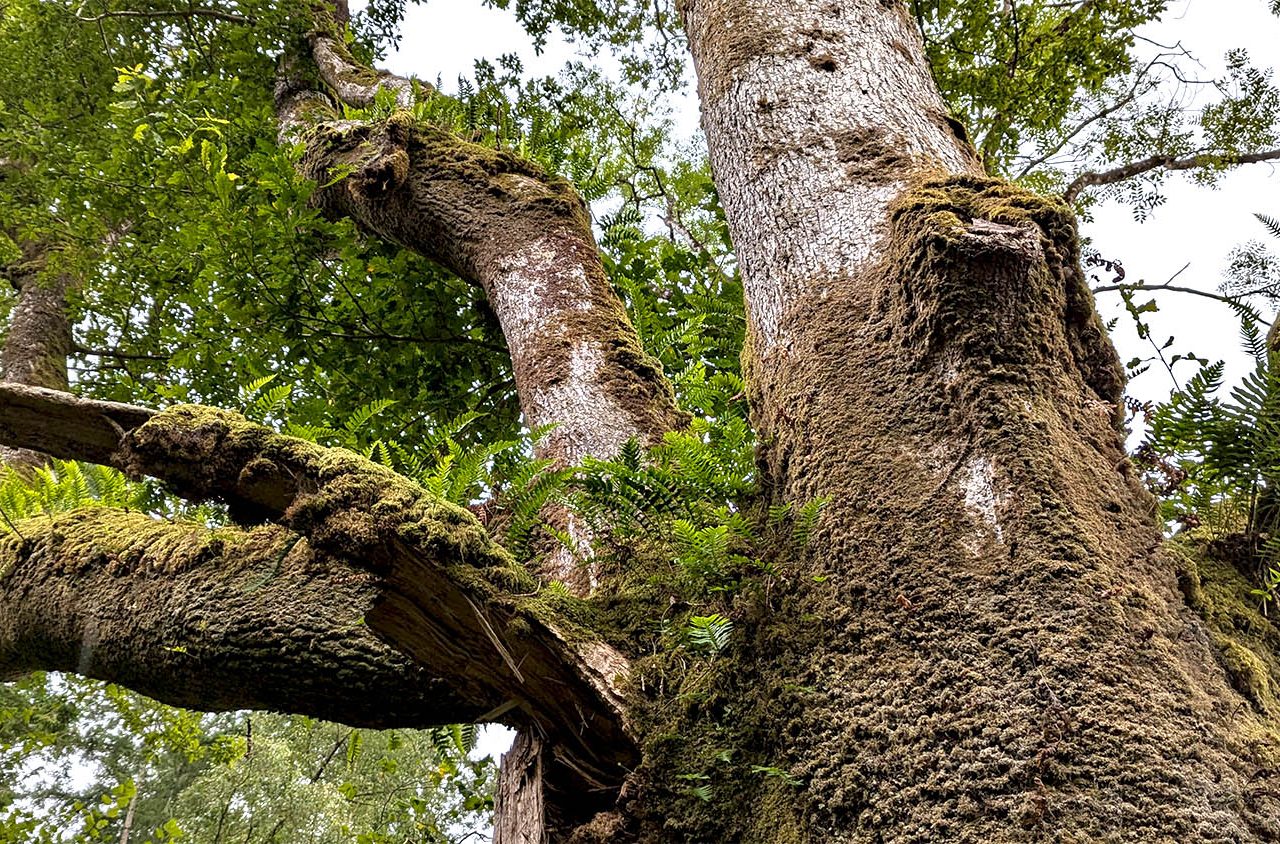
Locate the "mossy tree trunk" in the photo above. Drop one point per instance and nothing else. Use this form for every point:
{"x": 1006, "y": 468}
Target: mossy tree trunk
{"x": 984, "y": 640}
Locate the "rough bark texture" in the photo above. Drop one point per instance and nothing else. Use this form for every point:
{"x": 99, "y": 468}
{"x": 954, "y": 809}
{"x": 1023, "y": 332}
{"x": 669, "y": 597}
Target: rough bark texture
{"x": 1005, "y": 649}
{"x": 38, "y": 342}
{"x": 985, "y": 641}
{"x": 440, "y": 590}
{"x": 212, "y": 620}
{"x": 816, "y": 113}
{"x": 526, "y": 237}
{"x": 496, "y": 220}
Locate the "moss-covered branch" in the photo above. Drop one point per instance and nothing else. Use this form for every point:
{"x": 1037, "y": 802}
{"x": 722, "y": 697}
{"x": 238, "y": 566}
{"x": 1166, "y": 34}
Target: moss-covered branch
{"x": 436, "y": 586}
{"x": 500, "y": 222}
{"x": 210, "y": 620}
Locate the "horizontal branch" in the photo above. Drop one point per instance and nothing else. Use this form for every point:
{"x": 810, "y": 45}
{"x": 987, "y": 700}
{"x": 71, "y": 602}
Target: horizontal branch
{"x": 1161, "y": 162}
{"x": 445, "y": 594}
{"x": 61, "y": 425}
{"x": 210, "y": 620}
{"x": 211, "y": 14}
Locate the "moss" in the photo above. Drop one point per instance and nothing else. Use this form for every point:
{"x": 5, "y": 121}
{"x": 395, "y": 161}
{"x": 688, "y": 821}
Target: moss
{"x": 1249, "y": 674}
{"x": 124, "y": 542}
{"x": 932, "y": 223}
{"x": 1248, "y": 641}
{"x": 345, "y": 504}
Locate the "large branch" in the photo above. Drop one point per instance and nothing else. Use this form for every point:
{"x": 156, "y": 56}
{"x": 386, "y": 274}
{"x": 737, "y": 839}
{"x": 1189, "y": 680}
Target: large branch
{"x": 444, "y": 593}
{"x": 497, "y": 221}
{"x": 1162, "y": 162}
{"x": 210, "y": 620}
{"x": 525, "y": 237}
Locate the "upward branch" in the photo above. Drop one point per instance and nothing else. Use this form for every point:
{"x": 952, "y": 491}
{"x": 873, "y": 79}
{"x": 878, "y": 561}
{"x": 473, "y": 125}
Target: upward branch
{"x": 500, "y": 222}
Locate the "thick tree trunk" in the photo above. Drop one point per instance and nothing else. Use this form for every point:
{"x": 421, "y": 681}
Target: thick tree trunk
{"x": 985, "y": 643}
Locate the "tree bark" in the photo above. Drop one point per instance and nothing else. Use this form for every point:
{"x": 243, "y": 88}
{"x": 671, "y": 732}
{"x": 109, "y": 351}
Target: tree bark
{"x": 498, "y": 221}
{"x": 995, "y": 647}
{"x": 38, "y": 342}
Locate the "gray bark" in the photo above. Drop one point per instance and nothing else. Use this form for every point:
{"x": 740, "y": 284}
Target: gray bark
{"x": 38, "y": 342}
{"x": 816, "y": 114}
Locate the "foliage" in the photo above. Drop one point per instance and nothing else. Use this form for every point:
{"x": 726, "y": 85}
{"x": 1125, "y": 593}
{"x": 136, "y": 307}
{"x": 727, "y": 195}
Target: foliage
{"x": 1254, "y": 270}
{"x": 1216, "y": 463}
{"x": 1049, "y": 89}
{"x": 81, "y": 759}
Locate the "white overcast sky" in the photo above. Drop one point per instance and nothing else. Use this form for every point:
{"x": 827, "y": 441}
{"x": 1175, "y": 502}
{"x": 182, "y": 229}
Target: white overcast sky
{"x": 1197, "y": 226}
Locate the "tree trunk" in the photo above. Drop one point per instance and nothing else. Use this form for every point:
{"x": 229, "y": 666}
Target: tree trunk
{"x": 984, "y": 641}
{"x": 38, "y": 342}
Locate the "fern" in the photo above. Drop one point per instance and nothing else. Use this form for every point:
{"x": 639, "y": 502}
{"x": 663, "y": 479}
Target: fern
{"x": 64, "y": 485}
{"x": 1271, "y": 223}
{"x": 1225, "y": 455}
{"x": 709, "y": 634}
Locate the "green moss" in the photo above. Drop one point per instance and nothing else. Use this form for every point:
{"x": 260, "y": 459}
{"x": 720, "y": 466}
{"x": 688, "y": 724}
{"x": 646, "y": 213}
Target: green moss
{"x": 345, "y": 504}
{"x": 1247, "y": 640}
{"x": 97, "y": 537}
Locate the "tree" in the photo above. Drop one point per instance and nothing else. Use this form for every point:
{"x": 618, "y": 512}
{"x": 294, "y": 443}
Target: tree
{"x": 982, "y": 637}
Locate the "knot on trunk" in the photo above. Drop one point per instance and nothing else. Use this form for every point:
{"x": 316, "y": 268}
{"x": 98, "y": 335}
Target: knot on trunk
{"x": 989, "y": 280}
{"x": 385, "y": 166}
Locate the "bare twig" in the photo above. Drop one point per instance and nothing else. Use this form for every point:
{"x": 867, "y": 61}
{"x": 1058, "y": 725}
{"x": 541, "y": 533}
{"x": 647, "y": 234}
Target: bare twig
{"x": 1161, "y": 162}
{"x": 212, "y": 14}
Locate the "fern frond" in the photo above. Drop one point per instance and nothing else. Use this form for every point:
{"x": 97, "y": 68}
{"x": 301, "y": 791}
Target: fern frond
{"x": 1271, "y": 223}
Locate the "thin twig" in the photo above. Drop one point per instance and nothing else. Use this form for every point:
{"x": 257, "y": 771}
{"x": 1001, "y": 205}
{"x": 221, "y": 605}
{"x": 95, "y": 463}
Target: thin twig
{"x": 214, "y": 14}
{"x": 1160, "y": 162}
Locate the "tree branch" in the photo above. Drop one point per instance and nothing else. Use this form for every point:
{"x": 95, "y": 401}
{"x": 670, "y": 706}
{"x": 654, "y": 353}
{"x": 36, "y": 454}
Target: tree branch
{"x": 212, "y": 14}
{"x": 210, "y": 620}
{"x": 61, "y": 425}
{"x": 447, "y": 596}
{"x": 1161, "y": 162}
{"x": 355, "y": 84}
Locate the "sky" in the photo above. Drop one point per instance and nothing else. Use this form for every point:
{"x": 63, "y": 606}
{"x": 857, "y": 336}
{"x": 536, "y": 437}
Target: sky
{"x": 1196, "y": 228}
